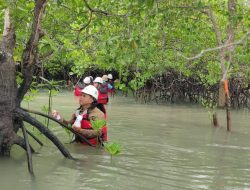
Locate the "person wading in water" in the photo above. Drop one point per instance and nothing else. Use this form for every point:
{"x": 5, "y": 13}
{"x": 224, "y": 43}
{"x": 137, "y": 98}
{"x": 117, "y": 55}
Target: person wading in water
{"x": 88, "y": 111}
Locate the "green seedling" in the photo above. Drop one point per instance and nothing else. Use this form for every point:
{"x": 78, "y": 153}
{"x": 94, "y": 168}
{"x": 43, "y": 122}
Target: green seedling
{"x": 53, "y": 87}
{"x": 98, "y": 124}
{"x": 45, "y": 109}
{"x": 210, "y": 106}
{"x": 112, "y": 148}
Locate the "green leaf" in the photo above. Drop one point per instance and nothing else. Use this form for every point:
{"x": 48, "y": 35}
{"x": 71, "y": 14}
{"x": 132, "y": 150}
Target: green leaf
{"x": 112, "y": 148}
{"x": 98, "y": 124}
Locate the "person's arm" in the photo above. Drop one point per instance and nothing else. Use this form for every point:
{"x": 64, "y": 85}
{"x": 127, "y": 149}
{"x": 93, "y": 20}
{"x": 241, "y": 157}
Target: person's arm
{"x": 57, "y": 116}
{"x": 90, "y": 133}
{"x": 67, "y": 122}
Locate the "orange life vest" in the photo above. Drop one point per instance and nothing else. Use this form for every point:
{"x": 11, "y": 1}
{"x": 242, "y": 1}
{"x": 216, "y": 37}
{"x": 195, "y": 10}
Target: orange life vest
{"x": 86, "y": 124}
{"x": 103, "y": 97}
{"x": 77, "y": 91}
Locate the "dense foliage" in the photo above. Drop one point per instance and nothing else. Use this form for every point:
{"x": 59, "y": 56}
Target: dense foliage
{"x": 138, "y": 40}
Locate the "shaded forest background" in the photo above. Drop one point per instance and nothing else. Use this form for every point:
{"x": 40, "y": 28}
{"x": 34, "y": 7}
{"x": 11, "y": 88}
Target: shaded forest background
{"x": 153, "y": 47}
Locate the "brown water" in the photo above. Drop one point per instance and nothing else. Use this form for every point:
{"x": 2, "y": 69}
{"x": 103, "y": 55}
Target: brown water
{"x": 163, "y": 147}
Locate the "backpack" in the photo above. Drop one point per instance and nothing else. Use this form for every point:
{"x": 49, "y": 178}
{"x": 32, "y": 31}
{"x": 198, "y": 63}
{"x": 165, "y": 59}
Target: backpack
{"x": 103, "y": 88}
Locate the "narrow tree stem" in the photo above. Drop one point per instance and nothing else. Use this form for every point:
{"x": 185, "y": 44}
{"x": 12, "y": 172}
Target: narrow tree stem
{"x": 28, "y": 150}
{"x": 34, "y": 137}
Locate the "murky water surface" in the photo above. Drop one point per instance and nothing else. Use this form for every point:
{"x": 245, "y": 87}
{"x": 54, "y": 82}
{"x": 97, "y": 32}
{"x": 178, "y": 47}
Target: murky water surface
{"x": 163, "y": 147}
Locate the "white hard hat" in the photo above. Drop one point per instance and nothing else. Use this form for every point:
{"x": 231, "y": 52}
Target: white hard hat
{"x": 91, "y": 90}
{"x": 105, "y": 77}
{"x": 86, "y": 80}
{"x": 110, "y": 76}
{"x": 98, "y": 80}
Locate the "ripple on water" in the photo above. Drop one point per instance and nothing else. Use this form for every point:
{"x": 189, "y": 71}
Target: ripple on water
{"x": 163, "y": 147}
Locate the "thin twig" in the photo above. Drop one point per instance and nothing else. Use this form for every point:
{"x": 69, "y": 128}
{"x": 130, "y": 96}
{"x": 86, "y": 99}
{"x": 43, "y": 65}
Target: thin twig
{"x": 199, "y": 55}
{"x": 34, "y": 137}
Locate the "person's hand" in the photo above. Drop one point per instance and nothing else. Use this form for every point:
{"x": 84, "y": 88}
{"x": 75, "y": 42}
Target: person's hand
{"x": 99, "y": 133}
{"x": 76, "y": 128}
{"x": 56, "y": 115}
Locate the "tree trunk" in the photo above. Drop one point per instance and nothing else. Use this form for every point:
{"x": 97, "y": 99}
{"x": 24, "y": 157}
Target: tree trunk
{"x": 8, "y": 89}
{"x": 11, "y": 116}
{"x": 215, "y": 120}
{"x": 225, "y": 55}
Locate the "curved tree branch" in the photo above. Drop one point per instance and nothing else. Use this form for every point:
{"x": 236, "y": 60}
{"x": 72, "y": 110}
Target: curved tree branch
{"x": 95, "y": 10}
{"x": 83, "y": 27}
{"x": 199, "y": 55}
{"x": 98, "y": 11}
{"x": 29, "y": 119}
{"x": 62, "y": 124}
{"x": 18, "y": 123}
{"x": 87, "y": 24}
{"x": 210, "y": 13}
{"x": 34, "y": 137}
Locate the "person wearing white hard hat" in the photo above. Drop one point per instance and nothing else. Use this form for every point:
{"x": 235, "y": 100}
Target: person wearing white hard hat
{"x": 111, "y": 85}
{"x": 105, "y": 83}
{"x": 102, "y": 89}
{"x": 98, "y": 80}
{"x": 89, "y": 111}
{"x": 86, "y": 81}
{"x": 110, "y": 76}
{"x": 105, "y": 78}
{"x": 81, "y": 84}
